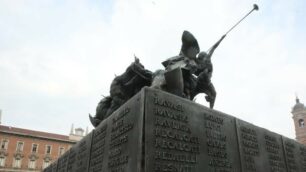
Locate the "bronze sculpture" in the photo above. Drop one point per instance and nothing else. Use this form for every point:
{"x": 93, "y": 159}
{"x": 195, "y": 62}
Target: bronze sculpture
{"x": 122, "y": 88}
{"x": 185, "y": 75}
{"x": 189, "y": 73}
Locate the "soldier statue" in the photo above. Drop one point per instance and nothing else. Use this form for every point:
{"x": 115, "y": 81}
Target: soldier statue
{"x": 185, "y": 75}
{"x": 189, "y": 73}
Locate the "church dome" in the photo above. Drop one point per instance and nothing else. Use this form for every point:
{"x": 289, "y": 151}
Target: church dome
{"x": 298, "y": 106}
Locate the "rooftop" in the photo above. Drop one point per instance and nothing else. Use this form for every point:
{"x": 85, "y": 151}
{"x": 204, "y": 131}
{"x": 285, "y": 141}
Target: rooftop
{"x": 33, "y": 133}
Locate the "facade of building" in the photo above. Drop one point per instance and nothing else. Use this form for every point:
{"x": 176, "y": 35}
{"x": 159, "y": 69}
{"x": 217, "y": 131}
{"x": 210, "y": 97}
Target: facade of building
{"x": 299, "y": 118}
{"x": 27, "y": 150}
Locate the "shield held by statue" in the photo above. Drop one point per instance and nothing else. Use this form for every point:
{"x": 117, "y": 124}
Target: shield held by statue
{"x": 175, "y": 81}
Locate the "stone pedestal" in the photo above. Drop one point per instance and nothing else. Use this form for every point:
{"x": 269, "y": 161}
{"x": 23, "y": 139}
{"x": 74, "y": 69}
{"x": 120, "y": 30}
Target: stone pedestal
{"x": 159, "y": 132}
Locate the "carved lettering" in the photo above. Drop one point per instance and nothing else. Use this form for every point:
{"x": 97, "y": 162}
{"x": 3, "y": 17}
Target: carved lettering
{"x": 82, "y": 156}
{"x": 121, "y": 130}
{"x": 118, "y": 161}
{"x": 121, "y": 114}
{"x": 175, "y": 136}
{"x": 97, "y": 149}
{"x": 119, "y": 141}
{"x": 114, "y": 152}
{"x": 273, "y": 148}
{"x": 289, "y": 149}
{"x": 172, "y": 124}
{"x": 176, "y": 149}
{"x": 171, "y": 167}
{"x": 216, "y": 143}
{"x": 177, "y": 116}
{"x": 250, "y": 147}
{"x": 168, "y": 104}
{"x": 178, "y": 146}
{"x": 186, "y": 158}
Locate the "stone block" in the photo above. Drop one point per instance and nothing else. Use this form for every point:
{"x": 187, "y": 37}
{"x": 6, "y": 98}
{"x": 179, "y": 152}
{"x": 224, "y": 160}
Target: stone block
{"x": 260, "y": 149}
{"x": 159, "y": 132}
{"x": 62, "y": 162}
{"x": 181, "y": 135}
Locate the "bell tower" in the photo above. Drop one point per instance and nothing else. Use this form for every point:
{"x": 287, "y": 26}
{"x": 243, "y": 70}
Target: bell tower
{"x": 299, "y": 118}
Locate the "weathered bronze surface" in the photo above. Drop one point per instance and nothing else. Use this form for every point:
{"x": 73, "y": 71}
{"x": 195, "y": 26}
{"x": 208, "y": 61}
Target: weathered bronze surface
{"x": 186, "y": 75}
{"x": 122, "y": 88}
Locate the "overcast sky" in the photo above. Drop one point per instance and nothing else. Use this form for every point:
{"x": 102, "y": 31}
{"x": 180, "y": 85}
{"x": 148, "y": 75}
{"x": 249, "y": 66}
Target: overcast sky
{"x": 57, "y": 58}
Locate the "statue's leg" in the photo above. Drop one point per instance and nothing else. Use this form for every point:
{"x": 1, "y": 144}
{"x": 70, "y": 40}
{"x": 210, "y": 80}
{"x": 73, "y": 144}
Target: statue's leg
{"x": 101, "y": 111}
{"x": 211, "y": 95}
{"x": 158, "y": 81}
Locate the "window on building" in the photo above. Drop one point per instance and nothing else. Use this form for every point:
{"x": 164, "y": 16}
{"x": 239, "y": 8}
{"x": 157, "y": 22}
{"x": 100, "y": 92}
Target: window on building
{"x": 17, "y": 163}
{"x": 45, "y": 164}
{"x": 4, "y": 144}
{"x": 48, "y": 149}
{"x": 34, "y": 148}
{"x": 19, "y": 147}
{"x": 2, "y": 161}
{"x": 61, "y": 151}
{"x": 32, "y": 164}
{"x": 301, "y": 123}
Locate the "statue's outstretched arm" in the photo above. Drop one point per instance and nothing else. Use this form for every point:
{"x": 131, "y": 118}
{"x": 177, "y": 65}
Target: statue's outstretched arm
{"x": 212, "y": 49}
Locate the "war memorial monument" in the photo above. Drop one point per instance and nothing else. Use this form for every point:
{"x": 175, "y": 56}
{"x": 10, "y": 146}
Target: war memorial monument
{"x": 149, "y": 123}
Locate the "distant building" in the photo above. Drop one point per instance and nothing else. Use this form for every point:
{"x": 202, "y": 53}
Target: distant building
{"x": 23, "y": 150}
{"x": 299, "y": 118}
{"x": 77, "y": 134}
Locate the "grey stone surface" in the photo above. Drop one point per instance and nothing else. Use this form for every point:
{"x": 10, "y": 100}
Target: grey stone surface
{"x": 302, "y": 156}
{"x": 260, "y": 149}
{"x": 62, "y": 162}
{"x": 72, "y": 159}
{"x": 183, "y": 136}
{"x": 117, "y": 141}
{"x": 48, "y": 169}
{"x": 98, "y": 151}
{"x": 295, "y": 155}
{"x": 79, "y": 155}
{"x": 54, "y": 166}
{"x": 124, "y": 139}
{"x": 158, "y": 132}
{"x": 83, "y": 154}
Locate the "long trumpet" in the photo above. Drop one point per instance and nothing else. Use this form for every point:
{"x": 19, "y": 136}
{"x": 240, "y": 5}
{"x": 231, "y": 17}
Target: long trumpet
{"x": 255, "y": 8}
